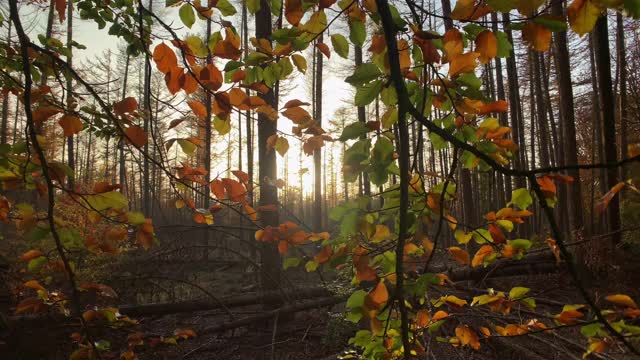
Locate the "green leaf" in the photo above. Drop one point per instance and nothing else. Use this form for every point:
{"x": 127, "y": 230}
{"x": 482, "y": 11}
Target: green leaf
{"x": 311, "y": 266}
{"x": 520, "y": 243}
{"x": 222, "y": 126}
{"x": 381, "y": 158}
{"x": 437, "y": 142}
{"x": 35, "y": 264}
{"x": 521, "y": 198}
{"x": 291, "y": 262}
{"x": 357, "y": 32}
{"x": 171, "y": 2}
{"x": 356, "y": 300}
{"x": 70, "y": 238}
{"x": 363, "y": 74}
{"x": 187, "y": 146}
{"x": 365, "y": 94}
{"x": 503, "y": 5}
{"x": 276, "y": 7}
{"x": 504, "y": 46}
{"x": 470, "y": 80}
{"x": 187, "y": 15}
{"x": 253, "y": 6}
{"x": 633, "y": 8}
{"x": 518, "y": 292}
{"x": 592, "y": 330}
{"x": 226, "y": 8}
{"x": 354, "y": 131}
{"x": 135, "y": 218}
{"x": 102, "y": 345}
{"x": 300, "y": 62}
{"x": 340, "y": 45}
{"x": 553, "y": 24}
{"x": 107, "y": 200}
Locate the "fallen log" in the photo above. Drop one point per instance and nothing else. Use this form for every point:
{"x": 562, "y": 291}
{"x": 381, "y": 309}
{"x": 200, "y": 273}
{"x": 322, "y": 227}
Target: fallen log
{"x": 290, "y": 309}
{"x": 229, "y": 302}
{"x": 538, "y": 264}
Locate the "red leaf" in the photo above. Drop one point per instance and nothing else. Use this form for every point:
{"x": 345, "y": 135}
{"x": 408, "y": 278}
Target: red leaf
{"x": 165, "y": 58}
{"x": 198, "y": 108}
{"x": 128, "y": 105}
{"x": 324, "y": 48}
{"x": 61, "y": 7}
{"x": 136, "y": 135}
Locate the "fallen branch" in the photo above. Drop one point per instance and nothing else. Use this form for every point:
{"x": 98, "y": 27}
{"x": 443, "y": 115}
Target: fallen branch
{"x": 327, "y": 301}
{"x": 539, "y": 264}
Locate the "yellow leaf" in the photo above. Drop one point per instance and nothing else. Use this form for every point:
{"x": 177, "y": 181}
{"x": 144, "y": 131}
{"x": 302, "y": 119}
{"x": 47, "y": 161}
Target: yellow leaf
{"x": 382, "y": 233}
{"x": 622, "y": 300}
{"x": 281, "y": 146}
{"x": 583, "y": 15}
{"x": 462, "y": 63}
{"x": 462, "y": 237}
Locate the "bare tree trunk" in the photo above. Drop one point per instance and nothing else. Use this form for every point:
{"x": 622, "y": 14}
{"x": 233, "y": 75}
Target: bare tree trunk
{"x": 622, "y": 97}
{"x": 603, "y": 63}
{"x": 317, "y": 154}
{"x": 122, "y": 159}
{"x": 567, "y": 122}
{"x": 5, "y": 102}
{"x": 70, "y": 147}
{"x": 267, "y": 173}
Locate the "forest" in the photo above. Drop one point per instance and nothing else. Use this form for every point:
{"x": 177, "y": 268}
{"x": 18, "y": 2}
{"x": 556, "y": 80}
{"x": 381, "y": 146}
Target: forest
{"x": 320, "y": 179}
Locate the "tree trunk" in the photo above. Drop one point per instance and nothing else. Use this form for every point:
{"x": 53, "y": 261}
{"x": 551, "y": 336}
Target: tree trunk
{"x": 317, "y": 154}
{"x": 603, "y": 64}
{"x": 5, "y": 102}
{"x": 567, "y": 122}
{"x": 622, "y": 97}
{"x": 267, "y": 173}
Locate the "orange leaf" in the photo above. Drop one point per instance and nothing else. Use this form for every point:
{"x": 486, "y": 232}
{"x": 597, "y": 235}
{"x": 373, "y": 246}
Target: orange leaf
{"x": 217, "y": 188}
{"x": 606, "y": 199}
{"x": 136, "y": 135}
{"x": 188, "y": 83}
{"x": 128, "y": 105}
{"x": 198, "y": 108}
{"x": 622, "y": 300}
{"x": 297, "y": 114}
{"x": 211, "y": 77}
{"x": 483, "y": 252}
{"x": 467, "y": 336}
{"x": 378, "y": 295}
{"x": 34, "y": 284}
{"x": 61, "y": 7}
{"x": 324, "y": 48}
{"x": 459, "y": 255}
{"x": 293, "y": 11}
{"x": 70, "y": 125}
{"x": 487, "y": 46}
{"x": 453, "y": 44}
{"x": 546, "y": 185}
{"x": 538, "y": 37}
{"x": 324, "y": 256}
{"x": 493, "y": 107}
{"x": 253, "y": 215}
{"x": 31, "y": 254}
{"x": 165, "y": 58}
{"x": 43, "y": 113}
{"x": 241, "y": 175}
{"x": 462, "y": 63}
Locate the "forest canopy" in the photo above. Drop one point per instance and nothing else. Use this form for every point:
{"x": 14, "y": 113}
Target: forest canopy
{"x": 446, "y": 178}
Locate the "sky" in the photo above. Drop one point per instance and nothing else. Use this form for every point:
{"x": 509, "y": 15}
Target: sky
{"x": 336, "y": 93}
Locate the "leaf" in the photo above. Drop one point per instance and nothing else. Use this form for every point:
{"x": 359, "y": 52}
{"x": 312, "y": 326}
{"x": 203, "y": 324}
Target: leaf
{"x": 481, "y": 255}
{"x": 226, "y": 8}
{"x": 136, "y": 135}
{"x": 622, "y": 300}
{"x": 462, "y": 63}
{"x": 459, "y": 255}
{"x": 187, "y": 15}
{"x": 365, "y": 94}
{"x": 487, "y": 46}
{"x": 536, "y": 36}
{"x": 504, "y": 46}
{"x": 606, "y": 198}
{"x": 293, "y": 11}
{"x": 107, "y": 200}
{"x": 253, "y": 6}
{"x": 518, "y": 293}
{"x": 363, "y": 74}
{"x": 462, "y": 237}
{"x": 354, "y": 131}
{"x": 70, "y": 125}
{"x": 382, "y": 233}
{"x": 30, "y": 255}
{"x": 127, "y": 105}
{"x": 340, "y": 45}
{"x": 165, "y": 58}
{"x": 281, "y": 145}
{"x": 521, "y": 198}
{"x": 198, "y": 108}
{"x": 297, "y": 114}
{"x": 324, "y": 49}
{"x": 378, "y": 296}
{"x": 187, "y": 146}
{"x": 300, "y": 62}
{"x": 61, "y": 7}
{"x": 467, "y": 336}
{"x": 222, "y": 126}
{"x": 583, "y": 15}
{"x": 357, "y": 32}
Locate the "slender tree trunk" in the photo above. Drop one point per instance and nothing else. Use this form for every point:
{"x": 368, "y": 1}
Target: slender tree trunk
{"x": 5, "y": 101}
{"x": 622, "y": 97}
{"x": 122, "y": 158}
{"x": 146, "y": 198}
{"x": 267, "y": 173}
{"x": 70, "y": 101}
{"x": 603, "y": 63}
{"x": 567, "y": 122}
